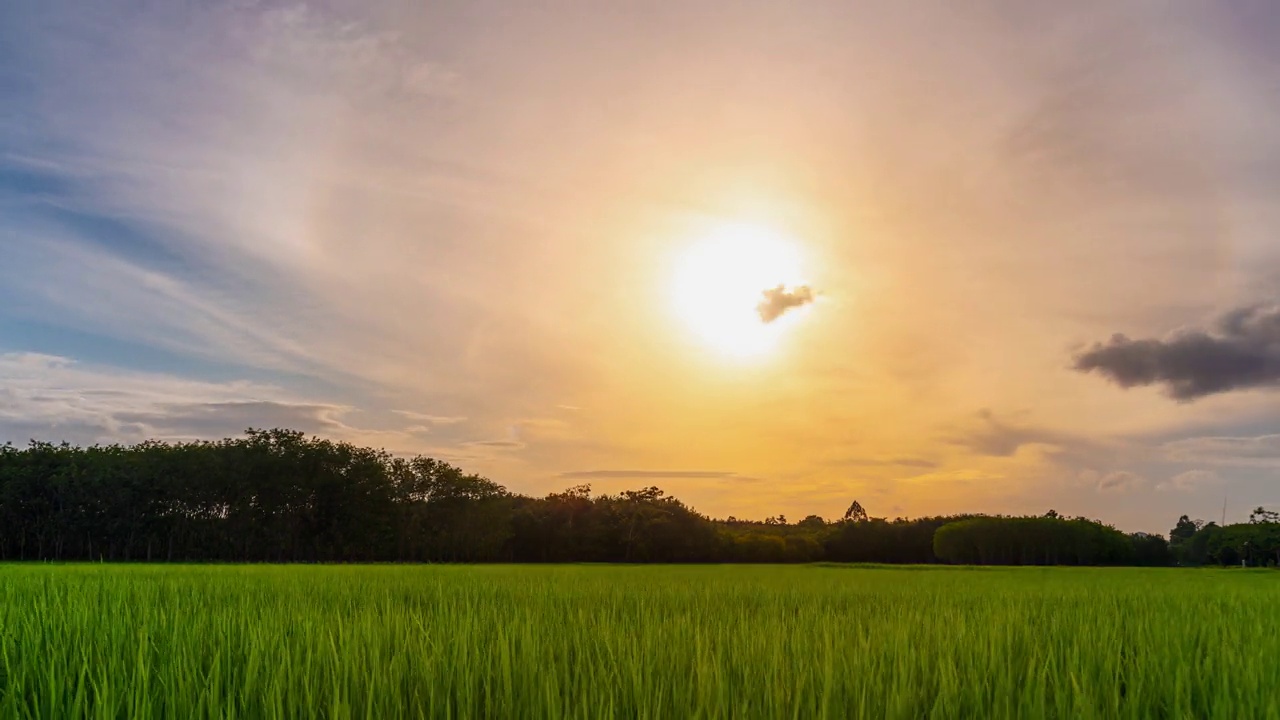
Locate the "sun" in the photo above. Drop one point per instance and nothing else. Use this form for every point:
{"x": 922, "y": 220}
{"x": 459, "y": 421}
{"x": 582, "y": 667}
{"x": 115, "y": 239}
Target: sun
{"x": 720, "y": 281}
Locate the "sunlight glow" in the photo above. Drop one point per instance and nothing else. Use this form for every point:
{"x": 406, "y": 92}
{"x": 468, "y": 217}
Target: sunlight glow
{"x": 720, "y": 280}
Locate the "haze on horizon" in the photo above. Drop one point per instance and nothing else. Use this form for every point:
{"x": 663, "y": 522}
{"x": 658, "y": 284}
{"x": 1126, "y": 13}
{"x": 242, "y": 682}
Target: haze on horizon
{"x": 771, "y": 258}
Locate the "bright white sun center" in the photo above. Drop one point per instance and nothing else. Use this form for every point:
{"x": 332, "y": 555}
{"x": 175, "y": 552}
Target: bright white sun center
{"x": 720, "y": 281}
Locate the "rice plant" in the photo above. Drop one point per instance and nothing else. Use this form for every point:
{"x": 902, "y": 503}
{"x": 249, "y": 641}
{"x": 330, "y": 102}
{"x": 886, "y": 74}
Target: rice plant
{"x": 110, "y": 641}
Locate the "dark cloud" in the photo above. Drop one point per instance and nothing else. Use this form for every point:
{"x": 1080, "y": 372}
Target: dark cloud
{"x": 1241, "y": 350}
{"x": 779, "y": 299}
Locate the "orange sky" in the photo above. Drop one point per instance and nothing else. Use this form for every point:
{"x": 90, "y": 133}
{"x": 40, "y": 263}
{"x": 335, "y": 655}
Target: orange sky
{"x": 461, "y": 229}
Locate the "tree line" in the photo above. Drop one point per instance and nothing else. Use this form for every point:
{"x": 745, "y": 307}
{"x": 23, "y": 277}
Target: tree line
{"x": 279, "y": 496}
{"x": 1255, "y": 543}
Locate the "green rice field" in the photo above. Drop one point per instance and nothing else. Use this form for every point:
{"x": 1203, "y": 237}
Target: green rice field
{"x": 580, "y": 641}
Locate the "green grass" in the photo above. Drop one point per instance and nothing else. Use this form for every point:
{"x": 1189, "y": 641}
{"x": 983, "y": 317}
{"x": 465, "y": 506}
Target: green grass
{"x": 636, "y": 642}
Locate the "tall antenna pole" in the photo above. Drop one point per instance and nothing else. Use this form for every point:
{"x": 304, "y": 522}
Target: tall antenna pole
{"x": 1224, "y": 507}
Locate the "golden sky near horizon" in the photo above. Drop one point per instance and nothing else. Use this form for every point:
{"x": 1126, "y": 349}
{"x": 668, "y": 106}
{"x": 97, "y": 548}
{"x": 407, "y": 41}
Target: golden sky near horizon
{"x": 532, "y": 240}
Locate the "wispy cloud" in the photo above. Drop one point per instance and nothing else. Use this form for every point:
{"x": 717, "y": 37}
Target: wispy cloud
{"x": 1115, "y": 481}
{"x": 232, "y": 198}
{"x": 359, "y": 207}
{"x": 1190, "y": 480}
{"x": 431, "y": 420}
{"x": 993, "y": 436}
{"x": 864, "y": 461}
{"x": 1256, "y": 450}
{"x": 52, "y": 398}
{"x": 496, "y": 444}
{"x": 653, "y": 475}
{"x": 45, "y": 397}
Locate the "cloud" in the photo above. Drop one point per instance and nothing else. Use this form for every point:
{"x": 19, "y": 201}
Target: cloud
{"x": 211, "y": 217}
{"x": 958, "y": 477}
{"x": 1240, "y": 351}
{"x": 329, "y": 195}
{"x": 856, "y": 461}
{"x": 47, "y": 397}
{"x": 778, "y": 300}
{"x": 1243, "y": 451}
{"x": 997, "y": 438}
{"x": 227, "y": 419}
{"x": 496, "y": 444}
{"x": 63, "y": 281}
{"x": 913, "y": 462}
{"x": 1117, "y": 481}
{"x": 430, "y": 78}
{"x": 427, "y": 420}
{"x": 650, "y": 475}
{"x": 1190, "y": 480}
{"x": 53, "y": 398}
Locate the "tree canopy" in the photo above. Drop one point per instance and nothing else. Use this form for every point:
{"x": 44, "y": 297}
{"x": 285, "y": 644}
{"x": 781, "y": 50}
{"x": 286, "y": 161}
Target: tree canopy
{"x": 279, "y": 496}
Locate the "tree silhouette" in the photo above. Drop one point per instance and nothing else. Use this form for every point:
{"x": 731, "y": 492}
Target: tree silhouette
{"x": 855, "y": 513}
{"x": 280, "y": 496}
{"x": 1263, "y": 515}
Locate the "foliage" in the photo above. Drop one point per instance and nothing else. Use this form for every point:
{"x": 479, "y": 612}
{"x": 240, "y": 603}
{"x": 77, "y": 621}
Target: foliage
{"x": 880, "y": 540}
{"x": 270, "y": 496}
{"x": 1042, "y": 541}
{"x": 855, "y": 513}
{"x": 1263, "y": 515}
{"x": 278, "y": 496}
{"x": 1255, "y": 543}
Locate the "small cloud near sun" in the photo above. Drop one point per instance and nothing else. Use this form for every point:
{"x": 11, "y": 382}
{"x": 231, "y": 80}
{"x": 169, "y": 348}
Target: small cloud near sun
{"x": 778, "y": 300}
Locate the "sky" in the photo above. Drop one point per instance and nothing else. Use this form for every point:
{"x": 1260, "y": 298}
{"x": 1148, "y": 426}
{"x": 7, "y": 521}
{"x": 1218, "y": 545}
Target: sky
{"x": 1033, "y": 244}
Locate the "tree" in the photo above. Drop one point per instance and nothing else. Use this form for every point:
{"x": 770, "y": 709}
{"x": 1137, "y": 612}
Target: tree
{"x": 1201, "y": 547}
{"x": 1184, "y": 530}
{"x": 1262, "y": 515}
{"x": 1040, "y": 541}
{"x": 280, "y": 496}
